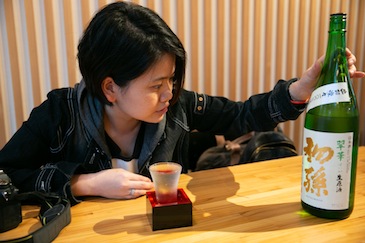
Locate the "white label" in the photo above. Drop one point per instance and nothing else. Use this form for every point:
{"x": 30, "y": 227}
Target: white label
{"x": 326, "y": 172}
{"x": 330, "y": 93}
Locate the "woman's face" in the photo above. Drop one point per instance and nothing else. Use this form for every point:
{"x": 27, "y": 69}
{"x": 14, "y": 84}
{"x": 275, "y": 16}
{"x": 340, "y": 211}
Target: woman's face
{"x": 147, "y": 97}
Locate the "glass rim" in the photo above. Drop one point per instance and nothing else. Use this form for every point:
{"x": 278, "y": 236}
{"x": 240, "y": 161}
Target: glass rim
{"x": 166, "y": 163}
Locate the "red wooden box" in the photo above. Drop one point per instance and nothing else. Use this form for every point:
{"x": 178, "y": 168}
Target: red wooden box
{"x": 167, "y": 216}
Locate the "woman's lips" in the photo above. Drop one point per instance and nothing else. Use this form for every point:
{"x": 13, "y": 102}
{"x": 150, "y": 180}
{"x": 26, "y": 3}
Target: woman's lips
{"x": 163, "y": 110}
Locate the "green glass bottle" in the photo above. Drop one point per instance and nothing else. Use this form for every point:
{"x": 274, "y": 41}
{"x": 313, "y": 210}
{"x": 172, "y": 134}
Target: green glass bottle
{"x": 331, "y": 134}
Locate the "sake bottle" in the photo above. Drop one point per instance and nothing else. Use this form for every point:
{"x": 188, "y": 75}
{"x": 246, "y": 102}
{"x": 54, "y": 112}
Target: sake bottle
{"x": 331, "y": 130}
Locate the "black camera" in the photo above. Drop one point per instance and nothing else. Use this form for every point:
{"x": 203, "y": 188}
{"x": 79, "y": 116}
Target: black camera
{"x": 10, "y": 206}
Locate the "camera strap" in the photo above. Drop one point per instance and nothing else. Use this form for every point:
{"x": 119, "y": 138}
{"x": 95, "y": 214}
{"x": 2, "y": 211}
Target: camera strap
{"x": 54, "y": 215}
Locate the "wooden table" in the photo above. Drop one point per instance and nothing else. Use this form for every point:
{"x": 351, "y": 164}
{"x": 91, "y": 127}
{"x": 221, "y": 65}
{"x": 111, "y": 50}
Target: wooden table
{"x": 257, "y": 202}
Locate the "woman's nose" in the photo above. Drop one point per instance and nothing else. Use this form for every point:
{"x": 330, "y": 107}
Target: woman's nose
{"x": 166, "y": 95}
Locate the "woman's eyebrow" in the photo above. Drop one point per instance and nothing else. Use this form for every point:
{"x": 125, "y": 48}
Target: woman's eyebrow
{"x": 164, "y": 77}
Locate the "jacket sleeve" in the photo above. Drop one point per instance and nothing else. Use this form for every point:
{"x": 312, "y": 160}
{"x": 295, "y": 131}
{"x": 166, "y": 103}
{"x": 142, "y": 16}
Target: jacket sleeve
{"x": 27, "y": 159}
{"x": 261, "y": 112}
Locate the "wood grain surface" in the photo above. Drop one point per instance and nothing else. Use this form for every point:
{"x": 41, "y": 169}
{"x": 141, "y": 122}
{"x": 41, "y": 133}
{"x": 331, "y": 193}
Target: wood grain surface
{"x": 258, "y": 202}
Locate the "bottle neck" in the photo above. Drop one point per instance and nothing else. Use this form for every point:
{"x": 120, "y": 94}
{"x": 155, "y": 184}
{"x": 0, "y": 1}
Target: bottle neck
{"x": 336, "y": 45}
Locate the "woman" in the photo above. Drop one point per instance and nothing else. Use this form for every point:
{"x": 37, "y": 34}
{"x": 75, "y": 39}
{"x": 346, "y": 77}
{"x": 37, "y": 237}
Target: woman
{"x": 130, "y": 108}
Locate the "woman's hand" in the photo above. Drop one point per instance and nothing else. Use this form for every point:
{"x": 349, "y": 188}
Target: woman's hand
{"x": 111, "y": 183}
{"x": 303, "y": 88}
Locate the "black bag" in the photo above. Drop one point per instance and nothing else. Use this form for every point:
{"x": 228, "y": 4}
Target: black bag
{"x": 251, "y": 147}
{"x": 268, "y": 145}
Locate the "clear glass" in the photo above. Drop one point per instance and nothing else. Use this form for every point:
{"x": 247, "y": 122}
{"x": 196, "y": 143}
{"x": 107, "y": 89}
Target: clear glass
{"x": 165, "y": 177}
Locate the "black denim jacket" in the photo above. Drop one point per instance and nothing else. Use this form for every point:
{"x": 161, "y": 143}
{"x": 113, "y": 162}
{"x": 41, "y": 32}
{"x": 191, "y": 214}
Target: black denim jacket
{"x": 65, "y": 134}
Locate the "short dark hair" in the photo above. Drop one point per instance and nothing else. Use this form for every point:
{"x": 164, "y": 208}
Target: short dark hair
{"x": 122, "y": 41}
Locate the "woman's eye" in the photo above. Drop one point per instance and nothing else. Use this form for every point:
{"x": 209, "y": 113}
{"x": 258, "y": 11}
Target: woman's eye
{"x": 157, "y": 86}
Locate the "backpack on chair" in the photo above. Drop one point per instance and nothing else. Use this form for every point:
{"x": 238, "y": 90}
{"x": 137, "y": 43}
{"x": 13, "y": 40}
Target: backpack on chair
{"x": 248, "y": 148}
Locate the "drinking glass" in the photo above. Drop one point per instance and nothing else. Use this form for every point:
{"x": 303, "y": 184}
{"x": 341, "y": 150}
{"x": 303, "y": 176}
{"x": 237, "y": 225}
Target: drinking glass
{"x": 165, "y": 177}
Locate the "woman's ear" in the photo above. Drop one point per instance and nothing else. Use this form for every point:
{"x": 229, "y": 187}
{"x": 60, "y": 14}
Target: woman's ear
{"x": 109, "y": 89}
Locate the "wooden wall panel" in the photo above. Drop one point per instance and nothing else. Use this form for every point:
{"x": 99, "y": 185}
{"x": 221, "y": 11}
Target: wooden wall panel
{"x": 235, "y": 48}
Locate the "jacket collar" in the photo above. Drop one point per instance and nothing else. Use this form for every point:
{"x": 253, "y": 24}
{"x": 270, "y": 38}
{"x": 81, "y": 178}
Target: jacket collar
{"x": 154, "y": 133}
{"x": 91, "y": 112}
